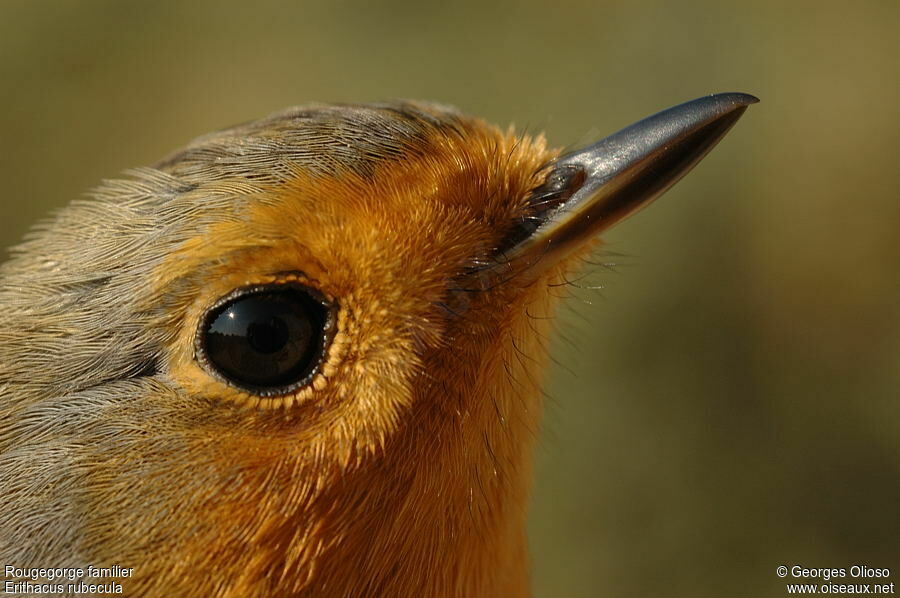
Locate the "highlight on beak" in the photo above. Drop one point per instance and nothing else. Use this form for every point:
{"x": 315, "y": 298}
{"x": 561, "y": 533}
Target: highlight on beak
{"x": 588, "y": 191}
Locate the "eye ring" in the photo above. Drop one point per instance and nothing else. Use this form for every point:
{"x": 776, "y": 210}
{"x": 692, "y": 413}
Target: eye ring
{"x": 269, "y": 340}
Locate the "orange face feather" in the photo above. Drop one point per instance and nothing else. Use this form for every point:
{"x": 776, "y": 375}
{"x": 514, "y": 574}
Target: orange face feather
{"x": 403, "y": 455}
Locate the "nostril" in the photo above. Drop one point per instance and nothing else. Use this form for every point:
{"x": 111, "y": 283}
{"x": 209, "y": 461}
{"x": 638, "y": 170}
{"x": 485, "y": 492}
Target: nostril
{"x": 562, "y": 181}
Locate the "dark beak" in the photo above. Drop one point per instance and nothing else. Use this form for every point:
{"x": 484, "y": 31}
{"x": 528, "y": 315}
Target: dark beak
{"x": 588, "y": 191}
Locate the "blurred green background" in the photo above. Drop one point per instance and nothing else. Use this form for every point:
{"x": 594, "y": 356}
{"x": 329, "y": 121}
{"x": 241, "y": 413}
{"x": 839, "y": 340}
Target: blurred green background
{"x": 728, "y": 402}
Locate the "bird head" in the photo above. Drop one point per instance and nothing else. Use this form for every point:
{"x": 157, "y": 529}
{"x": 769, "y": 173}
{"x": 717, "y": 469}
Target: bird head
{"x": 302, "y": 356}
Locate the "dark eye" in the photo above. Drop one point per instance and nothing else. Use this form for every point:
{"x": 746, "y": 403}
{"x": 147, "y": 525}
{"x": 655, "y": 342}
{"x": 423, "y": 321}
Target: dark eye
{"x": 269, "y": 340}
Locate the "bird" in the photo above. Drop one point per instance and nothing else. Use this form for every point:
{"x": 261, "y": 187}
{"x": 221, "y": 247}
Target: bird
{"x": 302, "y": 356}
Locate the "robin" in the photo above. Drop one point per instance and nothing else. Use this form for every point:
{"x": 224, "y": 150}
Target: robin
{"x": 301, "y": 356}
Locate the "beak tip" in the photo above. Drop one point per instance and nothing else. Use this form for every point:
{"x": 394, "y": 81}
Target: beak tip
{"x": 735, "y": 99}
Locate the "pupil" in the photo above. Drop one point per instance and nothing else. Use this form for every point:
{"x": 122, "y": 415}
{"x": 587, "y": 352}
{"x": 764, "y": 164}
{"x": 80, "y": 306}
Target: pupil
{"x": 268, "y": 340}
{"x": 269, "y": 336}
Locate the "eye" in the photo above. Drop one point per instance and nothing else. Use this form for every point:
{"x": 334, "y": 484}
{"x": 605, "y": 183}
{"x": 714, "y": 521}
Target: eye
{"x": 268, "y": 340}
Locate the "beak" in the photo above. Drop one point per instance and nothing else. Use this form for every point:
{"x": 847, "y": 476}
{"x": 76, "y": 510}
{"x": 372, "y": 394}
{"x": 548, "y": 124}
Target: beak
{"x": 588, "y": 191}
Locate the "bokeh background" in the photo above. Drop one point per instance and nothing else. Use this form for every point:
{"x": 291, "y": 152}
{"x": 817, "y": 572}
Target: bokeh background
{"x": 728, "y": 401}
